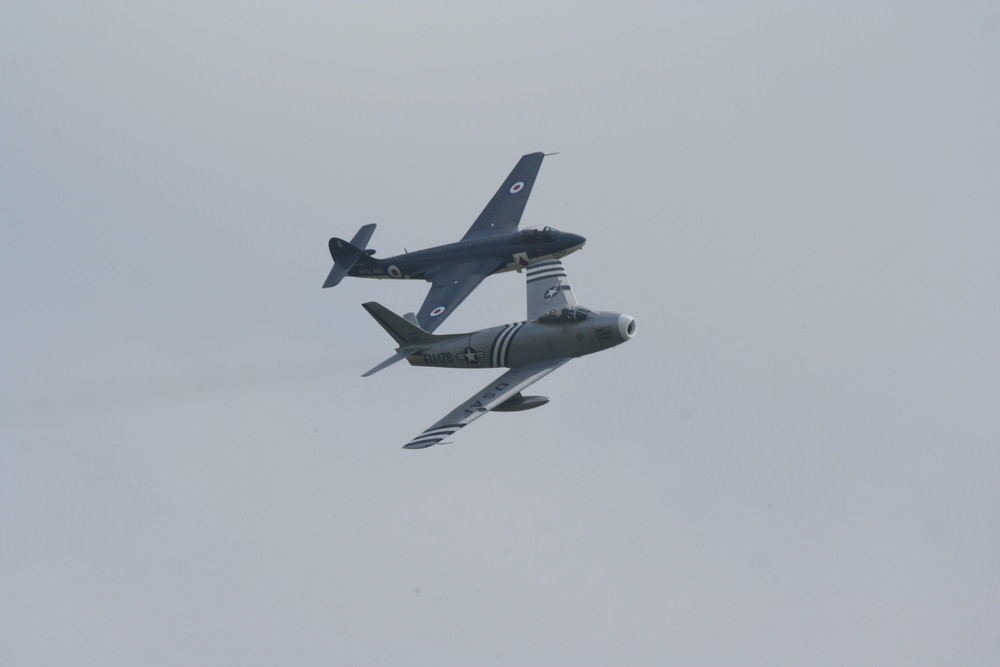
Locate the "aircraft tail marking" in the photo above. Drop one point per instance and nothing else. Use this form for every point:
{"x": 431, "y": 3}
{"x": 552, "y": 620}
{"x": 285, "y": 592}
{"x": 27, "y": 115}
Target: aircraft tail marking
{"x": 406, "y": 333}
{"x": 347, "y": 253}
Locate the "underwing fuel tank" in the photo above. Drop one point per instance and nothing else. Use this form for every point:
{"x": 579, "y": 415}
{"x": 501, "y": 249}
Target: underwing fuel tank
{"x": 519, "y": 402}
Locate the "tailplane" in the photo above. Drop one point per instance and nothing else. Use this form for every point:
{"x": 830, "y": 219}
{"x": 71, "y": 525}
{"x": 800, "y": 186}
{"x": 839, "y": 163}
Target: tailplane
{"x": 405, "y": 331}
{"x": 347, "y": 253}
{"x": 385, "y": 364}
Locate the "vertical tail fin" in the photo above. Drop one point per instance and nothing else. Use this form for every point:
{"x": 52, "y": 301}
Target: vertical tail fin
{"x": 405, "y": 331}
{"x": 346, "y": 254}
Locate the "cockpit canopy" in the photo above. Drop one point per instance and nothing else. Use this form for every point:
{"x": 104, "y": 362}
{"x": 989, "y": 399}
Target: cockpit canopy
{"x": 565, "y": 315}
{"x": 537, "y": 235}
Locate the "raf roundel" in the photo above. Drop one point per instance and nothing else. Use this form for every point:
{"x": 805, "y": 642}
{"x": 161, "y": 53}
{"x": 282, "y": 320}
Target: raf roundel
{"x": 517, "y": 187}
{"x": 437, "y": 311}
{"x": 394, "y": 271}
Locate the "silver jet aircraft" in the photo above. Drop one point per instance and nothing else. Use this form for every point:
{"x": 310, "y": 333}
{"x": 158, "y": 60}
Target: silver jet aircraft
{"x": 557, "y": 329}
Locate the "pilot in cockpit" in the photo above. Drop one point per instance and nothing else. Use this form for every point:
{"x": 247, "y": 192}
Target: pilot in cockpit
{"x": 564, "y": 315}
{"x": 537, "y": 235}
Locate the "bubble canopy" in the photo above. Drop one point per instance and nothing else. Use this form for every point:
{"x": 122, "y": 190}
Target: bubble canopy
{"x": 538, "y": 234}
{"x": 564, "y": 315}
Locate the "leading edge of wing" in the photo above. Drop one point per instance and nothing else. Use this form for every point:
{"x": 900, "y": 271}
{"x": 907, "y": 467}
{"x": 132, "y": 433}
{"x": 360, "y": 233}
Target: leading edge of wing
{"x": 503, "y": 213}
{"x": 489, "y": 397}
{"x": 450, "y": 285}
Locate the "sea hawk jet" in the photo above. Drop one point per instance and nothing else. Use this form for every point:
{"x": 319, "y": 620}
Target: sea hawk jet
{"x": 557, "y": 329}
{"x": 492, "y": 245}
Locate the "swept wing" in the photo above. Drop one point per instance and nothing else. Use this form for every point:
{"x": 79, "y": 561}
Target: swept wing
{"x": 503, "y": 388}
{"x": 450, "y": 285}
{"x": 548, "y": 288}
{"x": 453, "y": 282}
{"x": 503, "y": 213}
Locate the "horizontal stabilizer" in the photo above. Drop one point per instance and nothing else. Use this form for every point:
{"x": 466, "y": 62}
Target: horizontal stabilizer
{"x": 337, "y": 274}
{"x": 405, "y": 331}
{"x": 412, "y": 319}
{"x": 388, "y": 362}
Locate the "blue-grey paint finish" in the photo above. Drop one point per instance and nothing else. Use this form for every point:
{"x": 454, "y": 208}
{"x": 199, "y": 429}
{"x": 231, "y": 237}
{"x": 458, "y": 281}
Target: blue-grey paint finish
{"x": 493, "y": 244}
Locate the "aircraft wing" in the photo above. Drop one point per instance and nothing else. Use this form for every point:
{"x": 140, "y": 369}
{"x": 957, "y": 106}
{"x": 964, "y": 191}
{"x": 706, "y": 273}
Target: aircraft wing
{"x": 503, "y": 388}
{"x": 503, "y": 213}
{"x": 548, "y": 288}
{"x": 449, "y": 286}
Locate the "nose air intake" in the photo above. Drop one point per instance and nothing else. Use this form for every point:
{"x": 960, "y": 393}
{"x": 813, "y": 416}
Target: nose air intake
{"x": 626, "y": 326}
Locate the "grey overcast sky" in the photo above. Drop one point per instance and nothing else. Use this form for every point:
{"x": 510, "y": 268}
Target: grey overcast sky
{"x": 795, "y": 462}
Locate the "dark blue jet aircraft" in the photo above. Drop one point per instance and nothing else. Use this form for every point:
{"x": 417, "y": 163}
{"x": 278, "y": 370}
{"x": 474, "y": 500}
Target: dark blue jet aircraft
{"x": 492, "y": 245}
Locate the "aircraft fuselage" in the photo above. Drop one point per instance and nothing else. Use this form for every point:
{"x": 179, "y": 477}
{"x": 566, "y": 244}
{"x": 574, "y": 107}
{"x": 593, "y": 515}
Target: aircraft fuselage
{"x": 512, "y": 252}
{"x": 520, "y": 343}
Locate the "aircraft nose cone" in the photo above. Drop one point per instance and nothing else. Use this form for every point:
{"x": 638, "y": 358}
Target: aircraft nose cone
{"x": 577, "y": 240}
{"x": 626, "y": 326}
